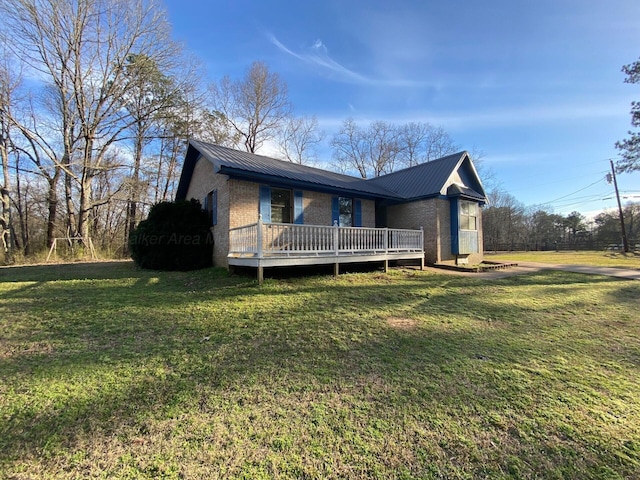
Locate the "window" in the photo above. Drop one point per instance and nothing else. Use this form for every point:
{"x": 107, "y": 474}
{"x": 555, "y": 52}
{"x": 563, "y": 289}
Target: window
{"x": 468, "y": 215}
{"x": 346, "y": 211}
{"x": 280, "y": 205}
{"x": 211, "y": 206}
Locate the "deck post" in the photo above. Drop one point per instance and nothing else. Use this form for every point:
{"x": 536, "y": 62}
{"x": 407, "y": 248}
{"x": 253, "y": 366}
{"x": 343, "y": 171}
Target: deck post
{"x": 260, "y": 274}
{"x": 422, "y": 247}
{"x": 259, "y": 249}
{"x": 336, "y": 247}
{"x": 259, "y": 237}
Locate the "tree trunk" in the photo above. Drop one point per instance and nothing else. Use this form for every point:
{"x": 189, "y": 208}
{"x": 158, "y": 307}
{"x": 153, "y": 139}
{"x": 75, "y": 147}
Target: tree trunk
{"x": 71, "y": 209}
{"x": 132, "y": 205}
{"x": 5, "y": 214}
{"x": 52, "y": 200}
{"x": 84, "y": 213}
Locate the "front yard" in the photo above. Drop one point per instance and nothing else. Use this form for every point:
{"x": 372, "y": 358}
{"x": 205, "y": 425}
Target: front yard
{"x": 113, "y": 372}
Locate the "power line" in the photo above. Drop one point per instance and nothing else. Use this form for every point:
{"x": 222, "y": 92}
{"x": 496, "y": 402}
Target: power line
{"x": 571, "y": 194}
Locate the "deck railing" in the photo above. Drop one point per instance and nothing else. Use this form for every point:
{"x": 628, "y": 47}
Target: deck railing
{"x": 269, "y": 239}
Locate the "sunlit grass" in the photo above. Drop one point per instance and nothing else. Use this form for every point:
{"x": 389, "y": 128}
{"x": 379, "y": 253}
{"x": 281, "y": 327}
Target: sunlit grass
{"x": 597, "y": 258}
{"x": 112, "y": 372}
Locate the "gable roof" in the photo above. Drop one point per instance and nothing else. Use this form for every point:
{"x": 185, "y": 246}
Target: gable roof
{"x": 421, "y": 181}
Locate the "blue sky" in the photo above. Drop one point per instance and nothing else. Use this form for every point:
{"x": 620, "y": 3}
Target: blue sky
{"x": 535, "y": 85}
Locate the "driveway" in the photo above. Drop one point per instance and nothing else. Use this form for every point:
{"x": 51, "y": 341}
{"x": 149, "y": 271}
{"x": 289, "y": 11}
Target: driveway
{"x": 530, "y": 267}
{"x": 626, "y": 273}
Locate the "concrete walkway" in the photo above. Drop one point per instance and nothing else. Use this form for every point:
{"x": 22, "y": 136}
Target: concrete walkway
{"x": 531, "y": 267}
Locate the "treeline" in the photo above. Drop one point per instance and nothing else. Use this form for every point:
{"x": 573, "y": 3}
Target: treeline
{"x": 97, "y": 102}
{"x": 509, "y": 225}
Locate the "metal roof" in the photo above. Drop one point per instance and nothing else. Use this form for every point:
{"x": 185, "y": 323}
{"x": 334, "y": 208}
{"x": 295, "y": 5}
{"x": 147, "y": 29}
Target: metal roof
{"x": 423, "y": 180}
{"x": 238, "y": 163}
{"x": 420, "y": 181}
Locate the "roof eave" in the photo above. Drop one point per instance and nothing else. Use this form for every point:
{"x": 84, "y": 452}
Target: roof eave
{"x": 299, "y": 184}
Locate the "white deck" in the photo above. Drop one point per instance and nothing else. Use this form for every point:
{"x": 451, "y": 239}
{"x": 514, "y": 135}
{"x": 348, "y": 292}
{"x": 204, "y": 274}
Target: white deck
{"x": 263, "y": 245}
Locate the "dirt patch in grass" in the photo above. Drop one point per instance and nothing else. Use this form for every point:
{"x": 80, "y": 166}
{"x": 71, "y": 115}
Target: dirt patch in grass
{"x": 109, "y": 371}
{"x": 402, "y": 323}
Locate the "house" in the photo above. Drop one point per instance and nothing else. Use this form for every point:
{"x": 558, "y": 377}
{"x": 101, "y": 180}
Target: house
{"x": 267, "y": 212}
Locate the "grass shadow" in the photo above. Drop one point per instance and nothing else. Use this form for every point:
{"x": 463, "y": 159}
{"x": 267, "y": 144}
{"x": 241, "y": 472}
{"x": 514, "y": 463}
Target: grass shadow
{"x": 355, "y": 365}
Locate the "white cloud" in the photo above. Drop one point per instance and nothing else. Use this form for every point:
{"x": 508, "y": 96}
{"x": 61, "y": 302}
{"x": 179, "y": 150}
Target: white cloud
{"x": 318, "y": 55}
{"x": 519, "y": 116}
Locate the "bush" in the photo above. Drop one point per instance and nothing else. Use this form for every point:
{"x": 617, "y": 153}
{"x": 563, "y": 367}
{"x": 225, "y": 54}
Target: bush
{"x": 175, "y": 236}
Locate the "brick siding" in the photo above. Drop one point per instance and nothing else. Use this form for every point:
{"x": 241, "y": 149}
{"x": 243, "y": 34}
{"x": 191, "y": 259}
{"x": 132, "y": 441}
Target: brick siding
{"x": 238, "y": 205}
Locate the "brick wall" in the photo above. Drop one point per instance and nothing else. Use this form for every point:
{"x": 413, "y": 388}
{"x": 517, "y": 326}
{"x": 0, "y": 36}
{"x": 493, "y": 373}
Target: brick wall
{"x": 434, "y": 215}
{"x": 414, "y": 215}
{"x": 203, "y": 181}
{"x": 244, "y": 203}
{"x": 238, "y": 205}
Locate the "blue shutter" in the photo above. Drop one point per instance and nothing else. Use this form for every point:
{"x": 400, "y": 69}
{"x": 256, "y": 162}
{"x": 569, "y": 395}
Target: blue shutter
{"x": 335, "y": 210}
{"x": 214, "y": 207}
{"x": 357, "y": 214}
{"x": 298, "y": 207}
{"x": 455, "y": 226}
{"x": 205, "y": 203}
{"x": 265, "y": 203}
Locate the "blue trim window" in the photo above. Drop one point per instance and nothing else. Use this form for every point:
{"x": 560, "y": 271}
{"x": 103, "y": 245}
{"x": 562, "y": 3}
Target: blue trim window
{"x": 357, "y": 213}
{"x": 265, "y": 203}
{"x": 280, "y": 205}
{"x": 464, "y": 227}
{"x": 468, "y": 215}
{"x": 298, "y": 207}
{"x": 346, "y": 211}
{"x": 210, "y": 205}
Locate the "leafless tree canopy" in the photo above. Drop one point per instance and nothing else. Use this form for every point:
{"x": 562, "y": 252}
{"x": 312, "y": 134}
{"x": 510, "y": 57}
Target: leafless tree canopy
{"x": 256, "y": 107}
{"x": 299, "y": 140}
{"x": 104, "y": 120}
{"x": 97, "y": 132}
{"x": 384, "y": 147}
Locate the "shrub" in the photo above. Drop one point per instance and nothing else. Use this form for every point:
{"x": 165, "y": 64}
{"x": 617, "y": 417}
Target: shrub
{"x": 175, "y": 236}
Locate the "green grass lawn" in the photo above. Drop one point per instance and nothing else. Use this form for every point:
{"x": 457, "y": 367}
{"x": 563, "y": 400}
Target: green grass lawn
{"x": 598, "y": 258}
{"x": 112, "y": 372}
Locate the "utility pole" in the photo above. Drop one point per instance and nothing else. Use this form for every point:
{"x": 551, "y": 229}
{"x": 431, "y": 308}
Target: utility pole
{"x": 625, "y": 242}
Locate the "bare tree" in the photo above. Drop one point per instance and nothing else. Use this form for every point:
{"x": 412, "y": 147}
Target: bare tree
{"x": 255, "y": 107}
{"x": 383, "y": 147}
{"x": 80, "y": 49}
{"x": 8, "y": 86}
{"x": 423, "y": 142}
{"x": 299, "y": 139}
{"x": 351, "y": 149}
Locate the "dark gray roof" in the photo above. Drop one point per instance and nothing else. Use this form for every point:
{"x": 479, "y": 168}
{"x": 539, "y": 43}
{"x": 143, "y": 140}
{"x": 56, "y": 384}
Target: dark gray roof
{"x": 240, "y": 163}
{"x": 456, "y": 190}
{"x": 421, "y": 181}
